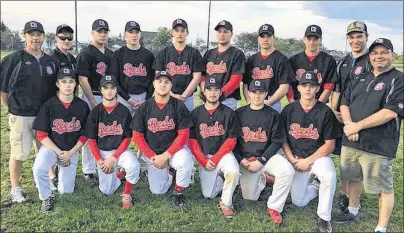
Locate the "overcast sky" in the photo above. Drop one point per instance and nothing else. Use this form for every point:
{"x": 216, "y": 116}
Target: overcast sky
{"x": 290, "y": 19}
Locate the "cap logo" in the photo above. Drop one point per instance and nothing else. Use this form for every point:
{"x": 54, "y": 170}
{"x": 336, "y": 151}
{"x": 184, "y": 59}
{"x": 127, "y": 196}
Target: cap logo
{"x": 179, "y": 21}
{"x": 101, "y": 23}
{"x": 163, "y": 72}
{"x": 257, "y": 83}
{"x": 308, "y": 76}
{"x": 222, "y": 23}
{"x": 265, "y": 27}
{"x": 133, "y": 24}
{"x": 379, "y": 41}
{"x": 212, "y": 80}
{"x": 33, "y": 24}
{"x": 66, "y": 71}
{"x": 313, "y": 29}
{"x": 108, "y": 78}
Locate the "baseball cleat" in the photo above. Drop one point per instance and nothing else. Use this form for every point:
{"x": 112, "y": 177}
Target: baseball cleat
{"x": 323, "y": 226}
{"x": 178, "y": 200}
{"x": 126, "y": 201}
{"x": 91, "y": 179}
{"x": 226, "y": 210}
{"x": 275, "y": 216}
{"x": 346, "y": 217}
{"x": 47, "y": 204}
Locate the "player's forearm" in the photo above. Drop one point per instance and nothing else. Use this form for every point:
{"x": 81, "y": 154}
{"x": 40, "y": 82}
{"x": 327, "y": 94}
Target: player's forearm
{"x": 226, "y": 148}
{"x": 202, "y": 85}
{"x": 78, "y": 145}
{"x": 179, "y": 142}
{"x": 193, "y": 84}
{"x": 288, "y": 152}
{"x": 323, "y": 151}
{"x": 334, "y": 100}
{"x": 48, "y": 143}
{"x": 245, "y": 93}
{"x": 279, "y": 94}
{"x": 122, "y": 147}
{"x": 141, "y": 144}
{"x": 379, "y": 118}
{"x": 87, "y": 89}
{"x": 197, "y": 152}
{"x": 92, "y": 143}
{"x": 345, "y": 114}
{"x": 325, "y": 96}
{"x": 4, "y": 98}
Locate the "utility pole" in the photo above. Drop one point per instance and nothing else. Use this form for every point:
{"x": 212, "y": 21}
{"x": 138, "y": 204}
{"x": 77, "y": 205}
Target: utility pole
{"x": 207, "y": 41}
{"x": 75, "y": 18}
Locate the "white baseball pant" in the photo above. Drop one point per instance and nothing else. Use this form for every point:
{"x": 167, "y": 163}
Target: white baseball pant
{"x": 138, "y": 97}
{"x": 231, "y": 103}
{"x": 252, "y": 184}
{"x": 277, "y": 106}
{"x": 87, "y": 158}
{"x": 302, "y": 193}
{"x": 109, "y": 183}
{"x": 212, "y": 184}
{"x": 160, "y": 180}
{"x": 189, "y": 103}
{"x": 44, "y": 160}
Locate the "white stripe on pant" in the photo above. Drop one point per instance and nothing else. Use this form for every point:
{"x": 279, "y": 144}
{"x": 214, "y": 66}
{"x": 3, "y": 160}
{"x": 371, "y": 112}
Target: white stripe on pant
{"x": 212, "y": 184}
{"x": 159, "y": 179}
{"x": 87, "y": 158}
{"x": 67, "y": 175}
{"x": 252, "y": 184}
{"x": 302, "y": 193}
{"x": 109, "y": 183}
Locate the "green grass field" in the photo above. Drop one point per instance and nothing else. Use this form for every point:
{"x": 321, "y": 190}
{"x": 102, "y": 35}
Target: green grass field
{"x": 87, "y": 209}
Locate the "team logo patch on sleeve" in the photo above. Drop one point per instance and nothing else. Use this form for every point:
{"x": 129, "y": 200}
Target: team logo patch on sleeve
{"x": 109, "y": 130}
{"x": 212, "y": 68}
{"x": 358, "y": 70}
{"x": 155, "y": 125}
{"x": 101, "y": 67}
{"x": 379, "y": 86}
{"x": 251, "y": 136}
{"x": 257, "y": 73}
{"x": 320, "y": 79}
{"x": 130, "y": 70}
{"x": 174, "y": 69}
{"x": 299, "y": 132}
{"x": 211, "y": 131}
{"x": 60, "y": 126}
{"x": 400, "y": 105}
{"x": 49, "y": 70}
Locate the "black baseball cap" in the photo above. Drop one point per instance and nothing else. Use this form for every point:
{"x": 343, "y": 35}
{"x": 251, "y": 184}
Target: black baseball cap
{"x": 100, "y": 24}
{"x": 180, "y": 22}
{"x": 309, "y": 77}
{"x": 267, "y": 29}
{"x": 108, "y": 79}
{"x": 357, "y": 26}
{"x": 213, "y": 82}
{"x": 132, "y": 25}
{"x": 257, "y": 85}
{"x": 381, "y": 41}
{"x": 33, "y": 26}
{"x": 65, "y": 27}
{"x": 225, "y": 24}
{"x": 163, "y": 73}
{"x": 66, "y": 72}
{"x": 313, "y": 30}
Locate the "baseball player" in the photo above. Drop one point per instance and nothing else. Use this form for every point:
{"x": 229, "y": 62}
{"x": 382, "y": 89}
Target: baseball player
{"x": 226, "y": 63}
{"x": 311, "y": 129}
{"x": 109, "y": 137}
{"x": 160, "y": 131}
{"x": 257, "y": 151}
{"x": 135, "y": 69}
{"x": 213, "y": 137}
{"x": 59, "y": 127}
{"x": 183, "y": 62}
{"x": 28, "y": 78}
{"x": 271, "y": 66}
{"x": 348, "y": 69}
{"x": 313, "y": 59}
{"x": 93, "y": 62}
{"x": 372, "y": 109}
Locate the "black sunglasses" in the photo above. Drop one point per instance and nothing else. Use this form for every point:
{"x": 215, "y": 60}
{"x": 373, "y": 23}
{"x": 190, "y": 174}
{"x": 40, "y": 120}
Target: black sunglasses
{"x": 69, "y": 38}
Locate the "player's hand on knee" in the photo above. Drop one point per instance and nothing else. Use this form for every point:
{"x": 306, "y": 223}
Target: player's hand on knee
{"x": 66, "y": 163}
{"x": 109, "y": 163}
{"x": 255, "y": 166}
{"x": 210, "y": 166}
{"x": 303, "y": 165}
{"x": 245, "y": 163}
{"x": 160, "y": 161}
{"x": 64, "y": 156}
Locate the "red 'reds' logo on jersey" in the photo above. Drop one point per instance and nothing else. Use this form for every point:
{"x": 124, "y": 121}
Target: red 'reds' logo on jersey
{"x": 109, "y": 130}
{"x": 155, "y": 125}
{"x": 298, "y": 132}
{"x": 130, "y": 70}
{"x": 209, "y": 131}
{"x": 60, "y": 126}
{"x": 257, "y": 73}
{"x": 173, "y": 69}
{"x": 101, "y": 68}
{"x": 320, "y": 80}
{"x": 212, "y": 68}
{"x": 251, "y": 136}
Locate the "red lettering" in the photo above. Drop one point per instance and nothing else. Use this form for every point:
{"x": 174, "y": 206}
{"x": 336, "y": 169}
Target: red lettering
{"x": 109, "y": 130}
{"x": 173, "y": 69}
{"x": 130, "y": 70}
{"x": 101, "y": 67}
{"x": 298, "y": 132}
{"x": 60, "y": 126}
{"x": 251, "y": 136}
{"x": 212, "y": 68}
{"x": 155, "y": 125}
{"x": 209, "y": 131}
{"x": 257, "y": 73}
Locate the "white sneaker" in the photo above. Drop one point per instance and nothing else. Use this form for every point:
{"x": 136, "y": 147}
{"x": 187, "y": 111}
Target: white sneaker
{"x": 16, "y": 195}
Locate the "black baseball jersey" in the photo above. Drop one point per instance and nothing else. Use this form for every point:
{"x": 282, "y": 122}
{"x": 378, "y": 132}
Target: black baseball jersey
{"x": 135, "y": 71}
{"x": 181, "y": 66}
{"x": 274, "y": 69}
{"x": 160, "y": 126}
{"x": 64, "y": 59}
{"x": 369, "y": 94}
{"x": 306, "y": 132}
{"x": 324, "y": 65}
{"x": 109, "y": 129}
{"x": 211, "y": 131}
{"x": 64, "y": 126}
{"x": 93, "y": 64}
{"x": 262, "y": 133}
{"x": 349, "y": 69}
{"x": 29, "y": 81}
{"x": 224, "y": 65}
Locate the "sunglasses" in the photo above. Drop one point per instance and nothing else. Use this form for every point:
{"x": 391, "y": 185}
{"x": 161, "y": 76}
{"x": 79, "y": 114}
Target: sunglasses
{"x": 69, "y": 38}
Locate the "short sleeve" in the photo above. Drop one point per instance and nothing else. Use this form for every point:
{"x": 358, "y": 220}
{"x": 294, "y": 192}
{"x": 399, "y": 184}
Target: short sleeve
{"x": 42, "y": 120}
{"x": 127, "y": 130}
{"x": 285, "y": 72}
{"x": 184, "y": 117}
{"x": 193, "y": 129}
{"x": 7, "y": 66}
{"x": 84, "y": 64}
{"x": 91, "y": 129}
{"x": 197, "y": 65}
{"x": 331, "y": 129}
{"x": 138, "y": 121}
{"x": 278, "y": 132}
{"x": 247, "y": 74}
{"x": 394, "y": 99}
{"x": 332, "y": 72}
{"x": 234, "y": 126}
{"x": 159, "y": 63}
{"x": 238, "y": 66}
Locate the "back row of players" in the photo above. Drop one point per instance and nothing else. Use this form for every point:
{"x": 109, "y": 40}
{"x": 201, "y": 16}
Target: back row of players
{"x": 165, "y": 132}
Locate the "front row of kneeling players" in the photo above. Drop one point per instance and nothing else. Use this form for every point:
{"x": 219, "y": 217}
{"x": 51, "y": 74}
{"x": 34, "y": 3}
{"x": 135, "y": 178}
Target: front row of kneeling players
{"x": 230, "y": 147}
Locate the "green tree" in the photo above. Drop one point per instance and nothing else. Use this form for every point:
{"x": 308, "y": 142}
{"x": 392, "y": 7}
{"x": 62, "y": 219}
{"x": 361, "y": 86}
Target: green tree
{"x": 50, "y": 39}
{"x": 247, "y": 42}
{"x": 3, "y": 27}
{"x": 163, "y": 37}
{"x": 200, "y": 44}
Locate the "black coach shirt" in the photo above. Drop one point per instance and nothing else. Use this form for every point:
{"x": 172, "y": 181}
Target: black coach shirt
{"x": 307, "y": 131}
{"x": 135, "y": 71}
{"x": 28, "y": 81}
{"x": 181, "y": 66}
{"x": 64, "y": 126}
{"x": 275, "y": 69}
{"x": 369, "y": 94}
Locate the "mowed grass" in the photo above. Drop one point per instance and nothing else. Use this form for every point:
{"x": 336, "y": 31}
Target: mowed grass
{"x": 87, "y": 209}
